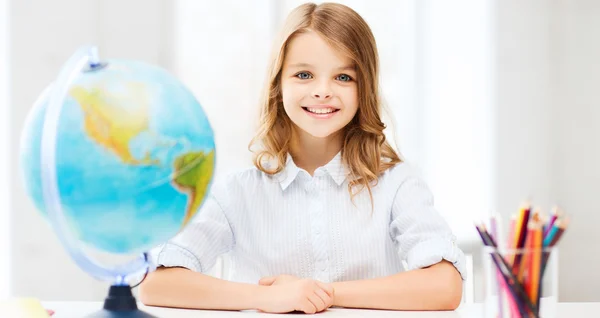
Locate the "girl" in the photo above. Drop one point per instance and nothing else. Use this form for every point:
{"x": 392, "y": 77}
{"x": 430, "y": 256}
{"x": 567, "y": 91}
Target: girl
{"x": 329, "y": 213}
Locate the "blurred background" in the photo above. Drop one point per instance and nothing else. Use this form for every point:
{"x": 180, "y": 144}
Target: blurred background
{"x": 495, "y": 101}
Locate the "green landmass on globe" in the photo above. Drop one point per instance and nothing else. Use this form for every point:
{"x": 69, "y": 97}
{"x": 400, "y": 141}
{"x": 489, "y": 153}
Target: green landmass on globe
{"x": 194, "y": 171}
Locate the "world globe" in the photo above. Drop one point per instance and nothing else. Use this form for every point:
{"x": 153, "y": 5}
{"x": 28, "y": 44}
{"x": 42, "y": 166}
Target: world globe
{"x": 134, "y": 156}
{"x": 119, "y": 157}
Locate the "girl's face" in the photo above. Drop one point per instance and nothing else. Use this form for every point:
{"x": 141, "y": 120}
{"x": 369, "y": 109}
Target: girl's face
{"x": 318, "y": 86}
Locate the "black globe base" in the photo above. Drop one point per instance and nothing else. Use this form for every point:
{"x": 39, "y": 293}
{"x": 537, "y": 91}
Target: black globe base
{"x": 120, "y": 303}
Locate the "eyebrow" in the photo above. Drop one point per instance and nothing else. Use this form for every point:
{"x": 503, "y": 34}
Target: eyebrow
{"x": 342, "y": 68}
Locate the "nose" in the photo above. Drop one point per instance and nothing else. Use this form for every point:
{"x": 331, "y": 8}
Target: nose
{"x": 322, "y": 91}
{"x": 322, "y": 95}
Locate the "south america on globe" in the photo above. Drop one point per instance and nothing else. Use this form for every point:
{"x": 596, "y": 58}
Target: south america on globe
{"x": 135, "y": 156}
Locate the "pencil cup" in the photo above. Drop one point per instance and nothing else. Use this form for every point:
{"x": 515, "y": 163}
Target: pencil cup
{"x": 520, "y": 282}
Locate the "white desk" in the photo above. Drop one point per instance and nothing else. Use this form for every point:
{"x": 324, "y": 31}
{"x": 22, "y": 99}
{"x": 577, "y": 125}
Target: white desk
{"x": 81, "y": 309}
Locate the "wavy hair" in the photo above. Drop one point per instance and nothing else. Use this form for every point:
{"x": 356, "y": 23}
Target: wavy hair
{"x": 366, "y": 153}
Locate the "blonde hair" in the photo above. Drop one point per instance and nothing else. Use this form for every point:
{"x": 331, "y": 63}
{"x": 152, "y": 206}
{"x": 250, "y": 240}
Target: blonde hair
{"x": 365, "y": 152}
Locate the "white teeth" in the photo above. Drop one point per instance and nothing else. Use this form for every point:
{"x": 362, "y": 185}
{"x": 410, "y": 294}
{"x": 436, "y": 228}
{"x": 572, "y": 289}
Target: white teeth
{"x": 320, "y": 110}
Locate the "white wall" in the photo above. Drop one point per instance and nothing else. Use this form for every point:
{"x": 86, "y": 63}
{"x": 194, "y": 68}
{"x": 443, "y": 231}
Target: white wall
{"x": 523, "y": 97}
{"x": 4, "y": 149}
{"x": 575, "y": 132}
{"x": 548, "y": 114}
{"x": 43, "y": 35}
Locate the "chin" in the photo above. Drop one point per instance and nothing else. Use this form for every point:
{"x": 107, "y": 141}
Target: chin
{"x": 321, "y": 133}
{"x": 319, "y": 130}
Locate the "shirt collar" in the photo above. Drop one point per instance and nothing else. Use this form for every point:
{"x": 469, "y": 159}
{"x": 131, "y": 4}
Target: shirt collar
{"x": 334, "y": 168}
{"x": 289, "y": 173}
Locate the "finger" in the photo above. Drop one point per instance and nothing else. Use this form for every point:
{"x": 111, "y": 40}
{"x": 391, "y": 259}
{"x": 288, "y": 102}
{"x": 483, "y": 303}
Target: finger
{"x": 319, "y": 303}
{"x": 324, "y": 297}
{"x": 326, "y": 287}
{"x": 309, "y": 307}
{"x": 267, "y": 281}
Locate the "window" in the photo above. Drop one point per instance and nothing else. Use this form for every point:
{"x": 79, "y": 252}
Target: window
{"x": 221, "y": 53}
{"x": 454, "y": 96}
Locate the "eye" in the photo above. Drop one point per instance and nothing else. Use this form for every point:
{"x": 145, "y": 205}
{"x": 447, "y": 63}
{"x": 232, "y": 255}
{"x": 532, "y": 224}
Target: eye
{"x": 303, "y": 75}
{"x": 344, "y": 78}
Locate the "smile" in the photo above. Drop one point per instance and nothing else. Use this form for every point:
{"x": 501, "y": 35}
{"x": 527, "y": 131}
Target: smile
{"x": 320, "y": 112}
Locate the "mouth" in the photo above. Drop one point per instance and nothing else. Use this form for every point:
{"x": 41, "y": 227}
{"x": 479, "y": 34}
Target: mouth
{"x": 320, "y": 110}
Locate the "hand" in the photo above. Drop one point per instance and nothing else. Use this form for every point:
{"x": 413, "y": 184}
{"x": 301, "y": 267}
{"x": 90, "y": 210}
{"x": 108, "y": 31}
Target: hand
{"x": 306, "y": 295}
{"x": 277, "y": 280}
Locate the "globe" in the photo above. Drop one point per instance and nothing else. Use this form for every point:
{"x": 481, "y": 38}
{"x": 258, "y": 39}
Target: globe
{"x": 134, "y": 156}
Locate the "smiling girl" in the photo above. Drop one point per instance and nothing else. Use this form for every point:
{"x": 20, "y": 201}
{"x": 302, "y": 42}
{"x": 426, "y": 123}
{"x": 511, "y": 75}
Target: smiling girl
{"x": 329, "y": 212}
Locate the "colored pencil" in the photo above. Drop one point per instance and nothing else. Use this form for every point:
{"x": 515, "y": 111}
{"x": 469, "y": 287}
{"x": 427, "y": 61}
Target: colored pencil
{"x": 555, "y": 214}
{"x": 560, "y": 226}
{"x": 511, "y": 232}
{"x": 523, "y": 302}
{"x": 561, "y": 230}
{"x": 551, "y": 234}
{"x": 509, "y": 245}
{"x": 522, "y": 231}
{"x": 519, "y": 273}
{"x": 525, "y": 268}
{"x": 526, "y": 251}
{"x": 536, "y": 261}
{"x": 517, "y": 231}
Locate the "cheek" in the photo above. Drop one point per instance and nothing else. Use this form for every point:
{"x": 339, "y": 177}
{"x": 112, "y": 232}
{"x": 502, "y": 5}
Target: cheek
{"x": 290, "y": 95}
{"x": 351, "y": 100}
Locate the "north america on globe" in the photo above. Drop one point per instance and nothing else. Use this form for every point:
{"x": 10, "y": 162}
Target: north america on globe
{"x": 113, "y": 126}
{"x": 135, "y": 156}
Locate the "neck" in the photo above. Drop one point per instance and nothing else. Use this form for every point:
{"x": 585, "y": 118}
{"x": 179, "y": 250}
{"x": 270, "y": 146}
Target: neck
{"x": 311, "y": 152}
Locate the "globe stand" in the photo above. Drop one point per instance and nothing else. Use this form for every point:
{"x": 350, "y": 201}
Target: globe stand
{"x": 120, "y": 303}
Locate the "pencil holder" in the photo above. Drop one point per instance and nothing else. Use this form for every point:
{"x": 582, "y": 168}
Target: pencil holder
{"x": 520, "y": 282}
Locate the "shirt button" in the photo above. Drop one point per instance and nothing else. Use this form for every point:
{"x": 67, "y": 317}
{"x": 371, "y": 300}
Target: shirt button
{"x": 323, "y": 267}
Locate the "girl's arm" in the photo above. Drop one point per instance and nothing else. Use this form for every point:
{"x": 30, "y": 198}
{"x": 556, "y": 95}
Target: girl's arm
{"x": 435, "y": 265}
{"x": 179, "y": 282}
{"x": 183, "y": 288}
{"x": 438, "y": 287}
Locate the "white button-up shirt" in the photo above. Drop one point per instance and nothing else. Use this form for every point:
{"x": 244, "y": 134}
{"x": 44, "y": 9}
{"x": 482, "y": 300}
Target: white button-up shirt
{"x": 307, "y": 226}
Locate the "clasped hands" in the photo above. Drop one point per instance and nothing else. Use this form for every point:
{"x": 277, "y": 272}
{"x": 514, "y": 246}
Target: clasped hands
{"x": 286, "y": 293}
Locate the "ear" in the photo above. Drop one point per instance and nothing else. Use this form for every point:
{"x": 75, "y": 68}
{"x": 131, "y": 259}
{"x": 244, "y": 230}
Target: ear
{"x": 267, "y": 281}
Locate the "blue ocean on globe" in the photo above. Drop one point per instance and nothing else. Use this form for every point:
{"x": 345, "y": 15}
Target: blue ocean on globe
{"x": 135, "y": 156}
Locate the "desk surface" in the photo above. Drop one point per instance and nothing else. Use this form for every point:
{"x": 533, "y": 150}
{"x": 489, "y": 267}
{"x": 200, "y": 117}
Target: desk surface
{"x": 81, "y": 309}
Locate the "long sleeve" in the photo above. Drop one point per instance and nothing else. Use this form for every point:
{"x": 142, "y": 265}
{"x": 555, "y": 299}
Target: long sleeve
{"x": 199, "y": 244}
{"x": 422, "y": 235}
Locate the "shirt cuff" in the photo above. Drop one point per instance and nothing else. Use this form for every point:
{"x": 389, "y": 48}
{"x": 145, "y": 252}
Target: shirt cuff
{"x": 433, "y": 251}
{"x": 171, "y": 255}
